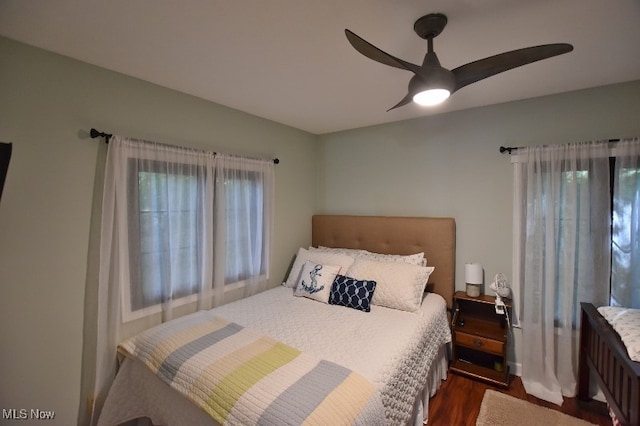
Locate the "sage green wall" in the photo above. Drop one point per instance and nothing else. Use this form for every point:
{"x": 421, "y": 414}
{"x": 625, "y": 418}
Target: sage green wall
{"x": 450, "y": 165}
{"x": 47, "y": 105}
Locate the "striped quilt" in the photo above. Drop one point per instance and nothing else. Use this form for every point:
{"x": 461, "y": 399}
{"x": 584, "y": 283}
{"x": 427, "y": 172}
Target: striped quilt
{"x": 240, "y": 377}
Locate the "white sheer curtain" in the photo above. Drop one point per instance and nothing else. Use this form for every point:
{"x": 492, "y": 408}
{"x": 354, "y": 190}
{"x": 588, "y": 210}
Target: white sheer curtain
{"x": 625, "y": 264}
{"x": 180, "y": 227}
{"x": 564, "y": 225}
{"x": 244, "y": 222}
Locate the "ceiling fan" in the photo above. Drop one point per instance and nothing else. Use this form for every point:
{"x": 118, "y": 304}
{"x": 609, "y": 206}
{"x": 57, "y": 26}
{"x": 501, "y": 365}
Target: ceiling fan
{"x": 432, "y": 83}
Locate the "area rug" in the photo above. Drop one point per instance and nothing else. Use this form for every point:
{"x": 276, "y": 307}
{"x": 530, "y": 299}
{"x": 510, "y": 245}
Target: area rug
{"x": 498, "y": 409}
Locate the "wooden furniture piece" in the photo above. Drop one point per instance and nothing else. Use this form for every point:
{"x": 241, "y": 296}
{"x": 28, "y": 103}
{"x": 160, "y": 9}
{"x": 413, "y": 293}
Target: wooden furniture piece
{"x": 602, "y": 351}
{"x": 480, "y": 338}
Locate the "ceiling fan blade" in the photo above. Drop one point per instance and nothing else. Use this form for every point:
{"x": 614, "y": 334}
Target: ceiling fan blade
{"x": 403, "y": 102}
{"x": 487, "y": 67}
{"x": 372, "y": 52}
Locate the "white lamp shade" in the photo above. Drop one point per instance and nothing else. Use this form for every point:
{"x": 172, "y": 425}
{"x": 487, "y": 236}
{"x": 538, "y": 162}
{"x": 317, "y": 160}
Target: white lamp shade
{"x": 473, "y": 273}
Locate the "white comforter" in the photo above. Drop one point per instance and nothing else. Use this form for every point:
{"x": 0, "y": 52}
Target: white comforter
{"x": 393, "y": 349}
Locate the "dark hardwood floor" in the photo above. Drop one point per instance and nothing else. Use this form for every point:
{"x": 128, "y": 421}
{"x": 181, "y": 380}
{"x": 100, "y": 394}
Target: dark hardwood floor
{"x": 459, "y": 398}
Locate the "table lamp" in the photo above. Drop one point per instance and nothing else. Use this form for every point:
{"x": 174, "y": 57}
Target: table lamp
{"x": 473, "y": 277}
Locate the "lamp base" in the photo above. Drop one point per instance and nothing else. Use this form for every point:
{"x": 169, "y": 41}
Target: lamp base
{"x": 473, "y": 290}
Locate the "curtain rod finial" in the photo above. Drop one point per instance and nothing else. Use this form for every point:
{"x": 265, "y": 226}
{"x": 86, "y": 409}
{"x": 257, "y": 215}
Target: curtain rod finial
{"x": 96, "y": 134}
{"x": 504, "y": 149}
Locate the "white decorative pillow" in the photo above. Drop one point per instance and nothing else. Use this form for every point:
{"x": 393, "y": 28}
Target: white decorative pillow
{"x": 626, "y": 322}
{"x": 339, "y": 250}
{"x": 324, "y": 258}
{"x": 412, "y": 259}
{"x": 399, "y": 285}
{"x": 315, "y": 281}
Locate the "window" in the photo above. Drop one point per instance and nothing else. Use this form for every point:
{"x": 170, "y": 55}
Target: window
{"x": 165, "y": 220}
{"x": 625, "y": 237}
{"x": 193, "y": 225}
{"x": 577, "y": 230}
{"x": 563, "y": 264}
{"x": 244, "y": 201}
{"x": 570, "y": 227}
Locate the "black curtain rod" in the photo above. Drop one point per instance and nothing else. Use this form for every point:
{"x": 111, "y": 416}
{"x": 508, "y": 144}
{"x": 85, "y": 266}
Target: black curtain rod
{"x": 97, "y": 134}
{"x": 508, "y": 149}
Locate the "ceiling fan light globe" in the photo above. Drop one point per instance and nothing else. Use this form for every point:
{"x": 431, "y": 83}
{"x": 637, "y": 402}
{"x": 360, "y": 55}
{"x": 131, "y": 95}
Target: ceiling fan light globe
{"x": 431, "y": 97}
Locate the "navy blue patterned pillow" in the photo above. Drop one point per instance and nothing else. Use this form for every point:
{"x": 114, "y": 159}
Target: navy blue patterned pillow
{"x": 352, "y": 293}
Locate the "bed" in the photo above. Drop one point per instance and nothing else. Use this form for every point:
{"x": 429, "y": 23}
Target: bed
{"x": 401, "y": 355}
{"x": 603, "y": 353}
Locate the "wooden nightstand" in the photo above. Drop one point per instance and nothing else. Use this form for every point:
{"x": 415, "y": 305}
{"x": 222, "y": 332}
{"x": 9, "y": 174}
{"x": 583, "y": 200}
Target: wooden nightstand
{"x": 480, "y": 337}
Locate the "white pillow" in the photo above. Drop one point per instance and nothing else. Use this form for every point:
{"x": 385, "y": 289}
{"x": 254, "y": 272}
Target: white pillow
{"x": 412, "y": 259}
{"x": 399, "y": 285}
{"x": 316, "y": 280}
{"x": 324, "y": 258}
{"x": 339, "y": 250}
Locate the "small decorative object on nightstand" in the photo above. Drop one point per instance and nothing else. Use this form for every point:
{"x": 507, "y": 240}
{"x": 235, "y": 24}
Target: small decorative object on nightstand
{"x": 480, "y": 337}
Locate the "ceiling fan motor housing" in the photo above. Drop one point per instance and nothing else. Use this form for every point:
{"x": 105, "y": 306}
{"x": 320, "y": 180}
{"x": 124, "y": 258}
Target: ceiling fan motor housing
{"x": 432, "y": 76}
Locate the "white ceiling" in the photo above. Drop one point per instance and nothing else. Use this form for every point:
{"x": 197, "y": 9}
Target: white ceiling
{"x": 289, "y": 60}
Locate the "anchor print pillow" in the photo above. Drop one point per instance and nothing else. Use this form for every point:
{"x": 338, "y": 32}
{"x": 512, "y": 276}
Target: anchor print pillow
{"x": 315, "y": 281}
{"x": 325, "y": 258}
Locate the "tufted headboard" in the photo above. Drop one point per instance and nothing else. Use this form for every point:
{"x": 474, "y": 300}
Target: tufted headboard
{"x": 436, "y": 237}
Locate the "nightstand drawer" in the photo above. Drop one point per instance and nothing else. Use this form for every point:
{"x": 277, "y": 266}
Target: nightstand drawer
{"x": 479, "y": 343}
